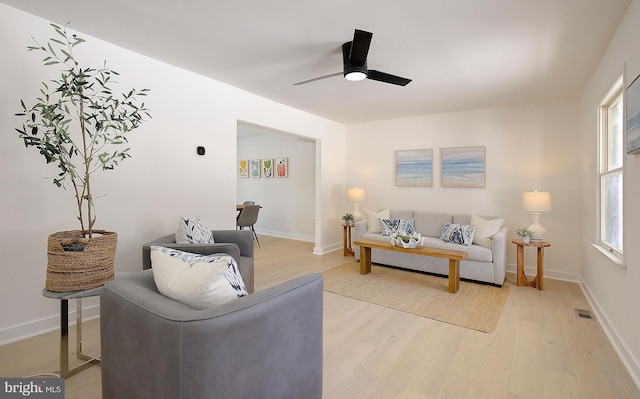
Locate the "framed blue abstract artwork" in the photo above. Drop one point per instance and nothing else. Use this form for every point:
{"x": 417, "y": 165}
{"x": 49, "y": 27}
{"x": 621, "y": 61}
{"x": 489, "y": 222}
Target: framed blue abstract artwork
{"x": 414, "y": 168}
{"x": 463, "y": 167}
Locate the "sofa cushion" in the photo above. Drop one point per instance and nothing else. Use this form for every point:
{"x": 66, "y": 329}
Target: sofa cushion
{"x": 430, "y": 223}
{"x": 476, "y": 253}
{"x": 375, "y": 237}
{"x": 485, "y": 230}
{"x": 193, "y": 231}
{"x": 458, "y": 233}
{"x": 373, "y": 220}
{"x": 401, "y": 226}
{"x": 400, "y": 214}
{"x": 432, "y": 242}
{"x": 196, "y": 280}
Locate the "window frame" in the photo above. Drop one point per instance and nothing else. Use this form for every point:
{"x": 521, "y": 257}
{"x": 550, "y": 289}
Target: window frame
{"x": 615, "y": 95}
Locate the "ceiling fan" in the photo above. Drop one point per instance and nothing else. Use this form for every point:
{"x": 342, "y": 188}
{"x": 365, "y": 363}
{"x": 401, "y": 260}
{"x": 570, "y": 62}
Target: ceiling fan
{"x": 354, "y": 59}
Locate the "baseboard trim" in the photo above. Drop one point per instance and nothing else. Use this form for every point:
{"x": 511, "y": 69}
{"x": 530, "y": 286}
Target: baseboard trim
{"x": 326, "y": 250}
{"x": 628, "y": 360}
{"x": 290, "y": 236}
{"x": 552, "y": 274}
{"x": 301, "y": 237}
{"x": 45, "y": 325}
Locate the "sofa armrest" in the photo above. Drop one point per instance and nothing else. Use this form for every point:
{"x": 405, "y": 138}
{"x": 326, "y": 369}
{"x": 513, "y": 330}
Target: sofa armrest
{"x": 267, "y": 344}
{"x": 359, "y": 228}
{"x": 499, "y": 250}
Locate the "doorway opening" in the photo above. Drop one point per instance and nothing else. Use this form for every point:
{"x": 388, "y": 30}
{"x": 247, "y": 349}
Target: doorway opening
{"x": 288, "y": 202}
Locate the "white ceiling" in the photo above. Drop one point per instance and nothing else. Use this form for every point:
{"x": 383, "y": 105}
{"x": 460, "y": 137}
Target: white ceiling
{"x": 461, "y": 54}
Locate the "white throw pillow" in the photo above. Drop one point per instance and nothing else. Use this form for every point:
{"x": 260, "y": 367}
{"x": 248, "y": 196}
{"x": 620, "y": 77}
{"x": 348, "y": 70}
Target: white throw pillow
{"x": 193, "y": 231}
{"x": 373, "y": 220}
{"x": 196, "y": 280}
{"x": 485, "y": 230}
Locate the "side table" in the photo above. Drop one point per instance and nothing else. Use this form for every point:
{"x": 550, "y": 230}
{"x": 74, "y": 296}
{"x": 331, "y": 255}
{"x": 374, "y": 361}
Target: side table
{"x": 346, "y": 240}
{"x": 522, "y": 280}
{"x": 64, "y": 329}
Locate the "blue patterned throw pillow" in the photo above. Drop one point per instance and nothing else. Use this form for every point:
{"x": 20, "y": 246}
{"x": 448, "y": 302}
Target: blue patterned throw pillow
{"x": 193, "y": 231}
{"x": 403, "y": 227}
{"x": 458, "y": 233}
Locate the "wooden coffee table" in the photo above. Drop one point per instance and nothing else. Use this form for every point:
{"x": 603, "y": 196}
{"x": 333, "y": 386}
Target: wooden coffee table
{"x": 454, "y": 258}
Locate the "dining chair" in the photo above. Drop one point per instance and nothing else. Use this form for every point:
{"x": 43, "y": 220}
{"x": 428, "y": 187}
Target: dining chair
{"x": 247, "y": 218}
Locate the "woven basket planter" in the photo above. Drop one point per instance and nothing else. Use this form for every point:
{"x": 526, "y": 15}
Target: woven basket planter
{"x": 76, "y": 263}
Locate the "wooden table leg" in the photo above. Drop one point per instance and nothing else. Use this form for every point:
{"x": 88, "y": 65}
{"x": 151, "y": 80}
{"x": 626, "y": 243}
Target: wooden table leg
{"x": 346, "y": 241}
{"x": 454, "y": 276}
{"x": 539, "y": 280}
{"x": 365, "y": 260}
{"x": 520, "y": 266}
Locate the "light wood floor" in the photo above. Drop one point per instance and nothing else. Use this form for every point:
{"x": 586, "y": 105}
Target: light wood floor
{"x": 540, "y": 349}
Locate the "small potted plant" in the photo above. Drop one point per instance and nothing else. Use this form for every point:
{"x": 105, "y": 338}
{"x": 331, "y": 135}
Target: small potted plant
{"x": 525, "y": 234}
{"x": 348, "y": 218}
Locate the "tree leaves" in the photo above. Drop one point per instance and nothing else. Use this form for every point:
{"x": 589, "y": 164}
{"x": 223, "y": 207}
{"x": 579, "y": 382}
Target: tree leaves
{"x": 76, "y": 122}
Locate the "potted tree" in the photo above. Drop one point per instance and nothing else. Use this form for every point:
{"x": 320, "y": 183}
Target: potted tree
{"x": 78, "y": 124}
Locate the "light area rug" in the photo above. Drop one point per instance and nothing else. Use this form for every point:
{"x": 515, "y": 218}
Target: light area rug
{"x": 474, "y": 306}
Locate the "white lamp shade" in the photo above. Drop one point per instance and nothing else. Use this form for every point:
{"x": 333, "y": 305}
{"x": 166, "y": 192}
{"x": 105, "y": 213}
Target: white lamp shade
{"x": 355, "y": 194}
{"x": 536, "y": 201}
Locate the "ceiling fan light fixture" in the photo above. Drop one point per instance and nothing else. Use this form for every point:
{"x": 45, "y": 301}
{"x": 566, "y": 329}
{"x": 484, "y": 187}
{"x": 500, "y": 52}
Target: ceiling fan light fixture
{"x": 355, "y": 76}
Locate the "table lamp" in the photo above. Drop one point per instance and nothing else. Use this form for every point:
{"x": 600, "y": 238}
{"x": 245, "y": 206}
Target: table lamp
{"x": 355, "y": 195}
{"x": 536, "y": 202}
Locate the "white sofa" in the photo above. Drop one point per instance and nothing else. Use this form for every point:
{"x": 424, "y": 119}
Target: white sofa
{"x": 485, "y": 263}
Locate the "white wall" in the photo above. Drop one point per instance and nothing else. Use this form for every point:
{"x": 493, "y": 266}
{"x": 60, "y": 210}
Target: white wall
{"x": 613, "y": 289}
{"x": 145, "y": 195}
{"x": 287, "y": 204}
{"x": 527, "y": 147}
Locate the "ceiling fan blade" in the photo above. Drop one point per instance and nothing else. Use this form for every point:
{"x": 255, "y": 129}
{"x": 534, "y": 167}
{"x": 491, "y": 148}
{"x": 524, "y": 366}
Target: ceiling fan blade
{"x": 318, "y": 78}
{"x": 387, "y": 78}
{"x": 360, "y": 47}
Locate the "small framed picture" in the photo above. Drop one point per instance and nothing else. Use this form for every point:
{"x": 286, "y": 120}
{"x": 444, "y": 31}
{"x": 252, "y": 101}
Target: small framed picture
{"x": 282, "y": 167}
{"x": 243, "y": 168}
{"x": 254, "y": 168}
{"x": 267, "y": 167}
{"x": 633, "y": 116}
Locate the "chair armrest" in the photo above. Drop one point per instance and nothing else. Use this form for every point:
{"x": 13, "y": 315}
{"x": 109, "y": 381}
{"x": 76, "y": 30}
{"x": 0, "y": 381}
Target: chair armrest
{"x": 242, "y": 238}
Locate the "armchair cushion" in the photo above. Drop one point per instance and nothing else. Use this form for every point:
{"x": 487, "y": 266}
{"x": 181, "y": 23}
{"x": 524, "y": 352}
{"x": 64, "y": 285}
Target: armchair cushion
{"x": 196, "y": 280}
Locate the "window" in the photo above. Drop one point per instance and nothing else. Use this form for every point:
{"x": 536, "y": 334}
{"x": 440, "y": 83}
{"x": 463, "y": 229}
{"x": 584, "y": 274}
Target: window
{"x": 611, "y": 171}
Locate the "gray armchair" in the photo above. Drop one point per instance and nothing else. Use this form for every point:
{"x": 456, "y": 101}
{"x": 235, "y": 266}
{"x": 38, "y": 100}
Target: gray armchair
{"x": 264, "y": 345}
{"x": 237, "y": 243}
